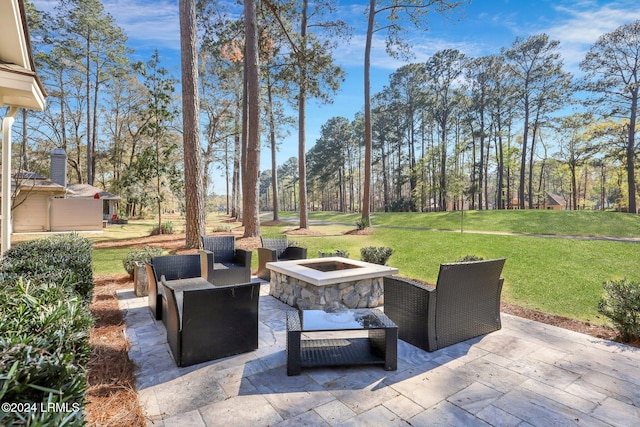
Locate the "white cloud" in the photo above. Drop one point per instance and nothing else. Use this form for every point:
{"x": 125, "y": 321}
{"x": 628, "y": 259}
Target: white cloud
{"x": 153, "y": 24}
{"x": 352, "y": 54}
{"x": 147, "y": 23}
{"x": 585, "y": 23}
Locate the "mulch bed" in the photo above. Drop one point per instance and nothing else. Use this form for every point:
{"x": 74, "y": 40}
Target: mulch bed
{"x": 111, "y": 395}
{"x": 587, "y": 328}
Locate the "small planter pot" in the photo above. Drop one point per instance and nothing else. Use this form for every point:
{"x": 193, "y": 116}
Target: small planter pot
{"x": 140, "y": 280}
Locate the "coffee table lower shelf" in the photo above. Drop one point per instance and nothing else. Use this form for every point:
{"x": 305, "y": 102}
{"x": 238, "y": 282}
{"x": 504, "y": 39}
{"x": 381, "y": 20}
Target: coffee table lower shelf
{"x": 338, "y": 352}
{"x": 379, "y": 348}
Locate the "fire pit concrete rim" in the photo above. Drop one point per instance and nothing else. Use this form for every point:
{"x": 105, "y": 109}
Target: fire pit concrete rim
{"x": 299, "y": 270}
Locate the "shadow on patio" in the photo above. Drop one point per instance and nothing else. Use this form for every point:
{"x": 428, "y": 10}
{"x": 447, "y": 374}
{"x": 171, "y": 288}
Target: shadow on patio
{"x": 527, "y": 373}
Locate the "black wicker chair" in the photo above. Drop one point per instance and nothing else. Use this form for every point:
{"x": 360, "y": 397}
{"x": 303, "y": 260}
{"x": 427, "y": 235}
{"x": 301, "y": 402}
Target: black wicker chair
{"x": 464, "y": 304}
{"x": 172, "y": 267}
{"x": 230, "y": 265}
{"x": 208, "y": 324}
{"x": 276, "y": 250}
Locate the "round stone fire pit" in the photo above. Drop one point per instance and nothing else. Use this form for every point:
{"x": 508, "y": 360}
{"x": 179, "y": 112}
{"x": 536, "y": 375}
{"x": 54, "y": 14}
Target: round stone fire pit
{"x": 330, "y": 284}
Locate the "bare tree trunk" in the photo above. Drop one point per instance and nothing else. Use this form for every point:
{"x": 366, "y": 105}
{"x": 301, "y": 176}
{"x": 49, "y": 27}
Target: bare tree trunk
{"x": 523, "y": 159}
{"x": 194, "y": 194}
{"x": 236, "y": 191}
{"x": 226, "y": 176}
{"x": 274, "y": 166}
{"x": 602, "y": 182}
{"x": 238, "y": 144}
{"x": 302, "y": 99}
{"x": 500, "y": 201}
{"x": 631, "y": 156}
{"x": 243, "y": 141}
{"x": 251, "y": 214}
{"x": 89, "y": 133}
{"x": 368, "y": 137}
{"x": 94, "y": 131}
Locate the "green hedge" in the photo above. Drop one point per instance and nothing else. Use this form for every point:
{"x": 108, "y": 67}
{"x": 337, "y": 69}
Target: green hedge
{"x": 63, "y": 259}
{"x": 45, "y": 289}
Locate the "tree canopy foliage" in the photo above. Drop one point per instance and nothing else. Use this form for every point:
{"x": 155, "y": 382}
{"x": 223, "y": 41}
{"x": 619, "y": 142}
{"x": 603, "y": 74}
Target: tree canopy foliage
{"x": 505, "y": 130}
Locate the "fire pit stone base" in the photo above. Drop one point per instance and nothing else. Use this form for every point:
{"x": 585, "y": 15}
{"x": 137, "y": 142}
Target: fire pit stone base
{"x": 362, "y": 293}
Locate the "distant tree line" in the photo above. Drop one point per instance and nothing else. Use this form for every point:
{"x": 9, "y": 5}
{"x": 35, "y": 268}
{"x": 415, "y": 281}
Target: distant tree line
{"x": 453, "y": 132}
{"x": 495, "y": 132}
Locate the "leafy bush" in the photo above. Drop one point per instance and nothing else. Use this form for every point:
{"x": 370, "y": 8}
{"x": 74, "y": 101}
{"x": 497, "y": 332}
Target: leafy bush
{"x": 468, "y": 258}
{"x": 45, "y": 288}
{"x": 61, "y": 259}
{"x": 362, "y": 223}
{"x": 376, "y": 254}
{"x": 43, "y": 351}
{"x": 139, "y": 255}
{"x": 165, "y": 228}
{"x": 621, "y": 304}
{"x": 403, "y": 205}
{"x": 221, "y": 228}
{"x": 324, "y": 253}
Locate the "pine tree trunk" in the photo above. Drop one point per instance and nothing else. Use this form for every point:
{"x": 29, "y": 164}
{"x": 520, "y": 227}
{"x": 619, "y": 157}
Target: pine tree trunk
{"x": 251, "y": 214}
{"x": 194, "y": 193}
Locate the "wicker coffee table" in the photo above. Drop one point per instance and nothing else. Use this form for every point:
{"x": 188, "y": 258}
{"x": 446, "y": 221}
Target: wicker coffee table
{"x": 308, "y": 346}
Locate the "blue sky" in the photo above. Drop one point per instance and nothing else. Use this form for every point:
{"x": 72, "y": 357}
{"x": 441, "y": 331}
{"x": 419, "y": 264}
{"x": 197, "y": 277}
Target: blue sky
{"x": 481, "y": 28}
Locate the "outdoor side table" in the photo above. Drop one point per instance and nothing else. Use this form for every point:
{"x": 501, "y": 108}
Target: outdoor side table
{"x": 307, "y": 348}
{"x": 190, "y": 284}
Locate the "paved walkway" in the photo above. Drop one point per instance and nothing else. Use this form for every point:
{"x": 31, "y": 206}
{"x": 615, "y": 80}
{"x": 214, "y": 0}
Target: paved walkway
{"x": 526, "y": 374}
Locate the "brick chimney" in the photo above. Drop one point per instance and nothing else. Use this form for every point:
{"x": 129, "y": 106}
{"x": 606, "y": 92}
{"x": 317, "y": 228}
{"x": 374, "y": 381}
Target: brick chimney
{"x": 59, "y": 166}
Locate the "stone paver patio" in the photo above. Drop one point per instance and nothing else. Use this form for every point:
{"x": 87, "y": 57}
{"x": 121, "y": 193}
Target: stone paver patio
{"x": 526, "y": 374}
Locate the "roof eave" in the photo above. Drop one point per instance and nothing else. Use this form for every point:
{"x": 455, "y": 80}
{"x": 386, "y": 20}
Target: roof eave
{"x": 19, "y": 84}
{"x": 21, "y": 88}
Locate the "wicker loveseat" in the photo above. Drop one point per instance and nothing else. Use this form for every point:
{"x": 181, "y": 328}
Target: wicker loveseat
{"x": 172, "y": 267}
{"x": 274, "y": 249}
{"x": 464, "y": 304}
{"x": 230, "y": 265}
{"x": 208, "y": 324}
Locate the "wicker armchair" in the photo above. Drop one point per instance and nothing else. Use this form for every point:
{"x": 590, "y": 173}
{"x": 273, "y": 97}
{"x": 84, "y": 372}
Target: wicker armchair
{"x": 464, "y": 304}
{"x": 276, "y": 250}
{"x": 172, "y": 267}
{"x": 230, "y": 265}
{"x": 208, "y": 324}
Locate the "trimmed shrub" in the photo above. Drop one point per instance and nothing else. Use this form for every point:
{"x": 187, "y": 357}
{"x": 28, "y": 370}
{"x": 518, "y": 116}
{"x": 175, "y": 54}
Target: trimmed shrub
{"x": 403, "y": 205}
{"x": 43, "y": 351}
{"x": 139, "y": 255}
{"x": 376, "y": 254}
{"x": 165, "y": 228}
{"x": 362, "y": 223}
{"x": 621, "y": 304}
{"x": 221, "y": 228}
{"x": 61, "y": 259}
{"x": 45, "y": 288}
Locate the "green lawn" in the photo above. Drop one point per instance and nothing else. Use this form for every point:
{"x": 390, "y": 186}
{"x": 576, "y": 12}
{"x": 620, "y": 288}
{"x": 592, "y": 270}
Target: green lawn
{"x": 555, "y": 275}
{"x": 563, "y": 223}
{"x": 109, "y": 261}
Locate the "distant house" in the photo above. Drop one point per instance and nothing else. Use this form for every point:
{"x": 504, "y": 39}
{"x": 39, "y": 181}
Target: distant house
{"x": 32, "y": 201}
{"x": 86, "y": 191}
{"x": 42, "y": 205}
{"x": 554, "y": 202}
{"x": 550, "y": 202}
